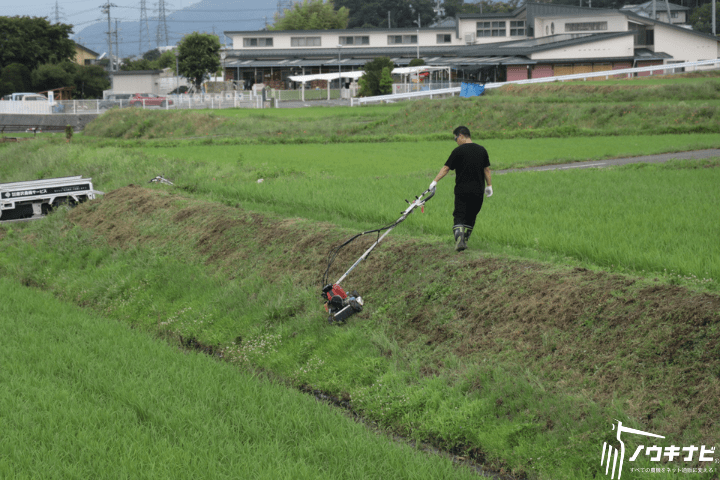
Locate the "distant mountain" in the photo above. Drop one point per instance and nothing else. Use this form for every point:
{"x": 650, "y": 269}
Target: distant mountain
{"x": 206, "y": 16}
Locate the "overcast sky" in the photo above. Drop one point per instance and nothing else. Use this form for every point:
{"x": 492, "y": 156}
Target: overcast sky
{"x": 82, "y": 13}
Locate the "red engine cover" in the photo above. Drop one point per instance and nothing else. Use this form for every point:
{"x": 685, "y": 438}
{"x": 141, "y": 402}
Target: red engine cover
{"x": 336, "y": 290}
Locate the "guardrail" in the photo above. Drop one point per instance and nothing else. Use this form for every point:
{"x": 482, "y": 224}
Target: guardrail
{"x": 562, "y": 78}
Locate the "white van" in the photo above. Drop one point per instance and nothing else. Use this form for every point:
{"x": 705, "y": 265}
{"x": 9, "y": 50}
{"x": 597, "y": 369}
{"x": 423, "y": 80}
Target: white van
{"x": 33, "y": 97}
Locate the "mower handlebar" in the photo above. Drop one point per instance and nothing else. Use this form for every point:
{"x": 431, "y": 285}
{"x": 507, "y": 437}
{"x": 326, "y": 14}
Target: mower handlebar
{"x": 431, "y": 194}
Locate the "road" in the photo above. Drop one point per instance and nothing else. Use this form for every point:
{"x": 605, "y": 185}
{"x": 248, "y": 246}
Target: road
{"x": 660, "y": 158}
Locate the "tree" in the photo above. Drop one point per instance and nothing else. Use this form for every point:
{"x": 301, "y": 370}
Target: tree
{"x": 54, "y": 75}
{"x": 199, "y": 56}
{"x": 90, "y": 81}
{"x": 17, "y": 78}
{"x": 32, "y": 41}
{"x": 151, "y": 55}
{"x": 386, "y": 81}
{"x": 374, "y": 13}
{"x": 455, "y": 7}
{"x": 152, "y": 60}
{"x": 128, "y": 65}
{"x": 166, "y": 60}
{"x": 701, "y": 18}
{"x": 370, "y": 82}
{"x": 312, "y": 15}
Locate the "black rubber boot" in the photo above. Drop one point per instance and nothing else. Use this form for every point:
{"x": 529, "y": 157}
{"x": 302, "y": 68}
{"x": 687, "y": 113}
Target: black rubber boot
{"x": 459, "y": 232}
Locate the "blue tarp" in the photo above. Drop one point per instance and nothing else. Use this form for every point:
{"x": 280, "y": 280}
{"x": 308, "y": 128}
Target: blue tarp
{"x": 471, "y": 89}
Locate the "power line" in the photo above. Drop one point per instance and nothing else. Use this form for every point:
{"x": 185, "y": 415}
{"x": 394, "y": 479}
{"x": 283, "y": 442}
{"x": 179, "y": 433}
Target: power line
{"x": 57, "y": 13}
{"x": 143, "y": 26}
{"x": 162, "y": 32}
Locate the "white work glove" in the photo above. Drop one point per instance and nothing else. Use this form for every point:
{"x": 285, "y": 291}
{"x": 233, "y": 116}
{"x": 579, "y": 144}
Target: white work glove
{"x": 432, "y": 185}
{"x": 488, "y": 191}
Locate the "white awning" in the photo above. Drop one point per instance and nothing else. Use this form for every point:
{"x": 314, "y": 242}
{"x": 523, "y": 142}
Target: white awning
{"x": 414, "y": 70}
{"x": 325, "y": 76}
{"x": 359, "y": 73}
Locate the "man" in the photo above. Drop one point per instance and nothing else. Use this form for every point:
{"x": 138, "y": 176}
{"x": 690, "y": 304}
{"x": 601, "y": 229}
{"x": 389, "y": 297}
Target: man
{"x": 472, "y": 171}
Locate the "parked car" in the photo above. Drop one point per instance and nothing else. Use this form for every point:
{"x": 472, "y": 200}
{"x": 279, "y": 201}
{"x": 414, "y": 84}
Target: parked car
{"x": 34, "y": 97}
{"x": 116, "y": 100}
{"x": 20, "y": 95}
{"x": 149, "y": 100}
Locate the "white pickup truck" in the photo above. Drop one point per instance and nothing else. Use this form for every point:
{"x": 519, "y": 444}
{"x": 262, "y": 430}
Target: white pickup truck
{"x": 33, "y": 199}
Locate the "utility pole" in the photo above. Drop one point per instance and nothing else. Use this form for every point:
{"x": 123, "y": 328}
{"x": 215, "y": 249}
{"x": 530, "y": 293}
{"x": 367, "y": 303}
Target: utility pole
{"x": 117, "y": 46}
{"x": 106, "y": 9}
{"x": 713, "y": 17}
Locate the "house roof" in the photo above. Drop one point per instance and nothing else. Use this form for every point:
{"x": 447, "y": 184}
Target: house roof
{"x": 642, "y": 19}
{"x": 660, "y": 6}
{"x": 86, "y": 49}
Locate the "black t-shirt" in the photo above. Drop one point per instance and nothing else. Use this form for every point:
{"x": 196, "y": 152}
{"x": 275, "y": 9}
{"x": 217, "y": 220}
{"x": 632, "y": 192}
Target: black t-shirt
{"x": 469, "y": 161}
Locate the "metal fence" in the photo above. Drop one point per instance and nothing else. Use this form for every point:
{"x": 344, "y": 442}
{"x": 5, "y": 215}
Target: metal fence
{"x": 399, "y": 88}
{"x": 171, "y": 102}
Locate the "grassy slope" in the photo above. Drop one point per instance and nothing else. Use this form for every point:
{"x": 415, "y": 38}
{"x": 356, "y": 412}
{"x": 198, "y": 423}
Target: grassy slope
{"x": 507, "y": 360}
{"x": 593, "y": 109}
{"x": 84, "y": 397}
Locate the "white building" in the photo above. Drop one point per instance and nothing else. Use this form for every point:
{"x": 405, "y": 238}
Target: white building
{"x": 536, "y": 40}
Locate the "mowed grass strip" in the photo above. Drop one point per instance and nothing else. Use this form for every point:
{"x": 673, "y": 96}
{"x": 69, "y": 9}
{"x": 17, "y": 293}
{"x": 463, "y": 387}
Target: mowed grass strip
{"x": 85, "y": 397}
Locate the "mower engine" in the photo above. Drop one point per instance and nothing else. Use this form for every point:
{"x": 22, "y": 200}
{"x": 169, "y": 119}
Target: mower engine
{"x": 339, "y": 304}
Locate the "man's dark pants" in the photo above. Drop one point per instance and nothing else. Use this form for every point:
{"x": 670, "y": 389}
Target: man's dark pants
{"x": 466, "y": 209}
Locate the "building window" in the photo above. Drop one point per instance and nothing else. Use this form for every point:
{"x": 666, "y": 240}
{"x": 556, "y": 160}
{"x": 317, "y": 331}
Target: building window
{"x": 517, "y": 28}
{"x": 586, "y": 26}
{"x": 402, "y": 39}
{"x": 444, "y": 38}
{"x": 257, "y": 42}
{"x": 363, "y": 40}
{"x": 491, "y": 29}
{"x": 304, "y": 41}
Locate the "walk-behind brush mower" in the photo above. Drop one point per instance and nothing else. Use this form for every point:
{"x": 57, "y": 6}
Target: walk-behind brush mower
{"x": 339, "y": 305}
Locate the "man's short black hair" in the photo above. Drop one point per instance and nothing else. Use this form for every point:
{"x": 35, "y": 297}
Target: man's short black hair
{"x": 462, "y": 131}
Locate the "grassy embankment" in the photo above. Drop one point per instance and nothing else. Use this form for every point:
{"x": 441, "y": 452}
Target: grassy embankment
{"x": 637, "y": 107}
{"x": 84, "y": 397}
{"x": 520, "y": 363}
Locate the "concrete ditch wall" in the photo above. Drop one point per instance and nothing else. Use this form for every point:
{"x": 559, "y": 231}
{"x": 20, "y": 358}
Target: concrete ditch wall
{"x": 55, "y": 122}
